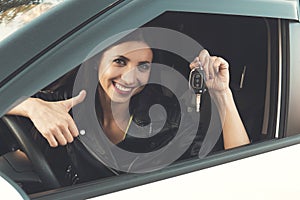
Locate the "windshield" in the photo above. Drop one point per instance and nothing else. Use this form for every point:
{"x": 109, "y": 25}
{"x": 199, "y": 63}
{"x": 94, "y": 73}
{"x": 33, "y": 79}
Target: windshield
{"x": 14, "y": 14}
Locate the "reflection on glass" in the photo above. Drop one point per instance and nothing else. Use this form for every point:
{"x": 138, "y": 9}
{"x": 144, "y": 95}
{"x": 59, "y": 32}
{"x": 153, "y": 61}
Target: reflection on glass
{"x": 17, "y": 13}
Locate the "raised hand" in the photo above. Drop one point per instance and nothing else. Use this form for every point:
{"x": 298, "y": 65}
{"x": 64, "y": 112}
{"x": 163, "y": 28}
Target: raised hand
{"x": 217, "y": 81}
{"x": 52, "y": 119}
{"x": 216, "y": 72}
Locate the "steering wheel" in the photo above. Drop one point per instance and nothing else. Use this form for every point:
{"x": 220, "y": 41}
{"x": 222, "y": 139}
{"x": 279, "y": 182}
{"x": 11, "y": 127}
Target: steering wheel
{"x": 19, "y": 127}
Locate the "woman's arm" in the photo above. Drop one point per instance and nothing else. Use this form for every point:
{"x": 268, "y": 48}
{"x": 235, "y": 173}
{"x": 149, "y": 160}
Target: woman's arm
{"x": 217, "y": 81}
{"x": 51, "y": 119}
{"x": 234, "y": 133}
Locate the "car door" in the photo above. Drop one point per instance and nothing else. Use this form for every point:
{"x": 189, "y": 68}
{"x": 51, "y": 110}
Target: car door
{"x": 257, "y": 37}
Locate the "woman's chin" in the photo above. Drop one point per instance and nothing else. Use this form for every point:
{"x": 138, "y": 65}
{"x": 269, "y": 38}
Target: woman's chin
{"x": 120, "y": 98}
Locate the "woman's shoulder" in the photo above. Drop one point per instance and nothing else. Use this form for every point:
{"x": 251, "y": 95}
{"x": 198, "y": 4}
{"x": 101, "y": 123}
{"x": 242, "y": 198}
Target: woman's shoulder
{"x": 53, "y": 95}
{"x": 60, "y": 89}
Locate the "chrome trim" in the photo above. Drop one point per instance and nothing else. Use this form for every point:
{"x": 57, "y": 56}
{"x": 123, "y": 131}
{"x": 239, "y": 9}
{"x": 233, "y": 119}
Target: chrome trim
{"x": 279, "y": 78}
{"x": 268, "y": 84}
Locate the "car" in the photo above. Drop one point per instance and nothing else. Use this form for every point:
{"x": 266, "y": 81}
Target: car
{"x": 257, "y": 37}
{"x": 10, "y": 189}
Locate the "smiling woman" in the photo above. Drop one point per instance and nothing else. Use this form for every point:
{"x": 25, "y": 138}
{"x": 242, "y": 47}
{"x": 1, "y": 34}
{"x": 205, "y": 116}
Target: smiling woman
{"x": 124, "y": 70}
{"x": 121, "y": 101}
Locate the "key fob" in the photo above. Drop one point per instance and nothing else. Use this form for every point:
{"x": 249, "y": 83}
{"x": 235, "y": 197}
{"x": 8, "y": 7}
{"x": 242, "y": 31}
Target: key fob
{"x": 196, "y": 81}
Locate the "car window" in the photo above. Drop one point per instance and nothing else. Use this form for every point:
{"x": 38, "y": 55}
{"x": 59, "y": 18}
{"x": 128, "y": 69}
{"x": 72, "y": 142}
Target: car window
{"x": 247, "y": 43}
{"x": 16, "y": 14}
{"x": 242, "y": 39}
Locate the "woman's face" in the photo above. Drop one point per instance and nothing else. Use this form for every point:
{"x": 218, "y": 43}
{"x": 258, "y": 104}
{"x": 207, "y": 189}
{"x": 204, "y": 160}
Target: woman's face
{"x": 124, "y": 70}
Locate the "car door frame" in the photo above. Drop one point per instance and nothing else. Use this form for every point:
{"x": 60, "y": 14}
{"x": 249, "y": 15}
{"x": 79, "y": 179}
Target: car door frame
{"x": 59, "y": 52}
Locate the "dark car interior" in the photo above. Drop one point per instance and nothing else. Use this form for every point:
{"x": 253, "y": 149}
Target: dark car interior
{"x": 245, "y": 42}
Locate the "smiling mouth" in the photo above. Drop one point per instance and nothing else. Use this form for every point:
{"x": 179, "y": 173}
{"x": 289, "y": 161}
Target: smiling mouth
{"x": 122, "y": 89}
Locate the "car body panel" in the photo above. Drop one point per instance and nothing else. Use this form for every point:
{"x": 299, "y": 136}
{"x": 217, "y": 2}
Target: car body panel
{"x": 293, "y": 125}
{"x": 10, "y": 190}
{"x": 285, "y": 9}
{"x": 219, "y": 160}
{"x": 231, "y": 181}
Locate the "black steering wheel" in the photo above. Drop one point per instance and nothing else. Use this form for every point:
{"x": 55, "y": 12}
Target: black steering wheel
{"x": 19, "y": 127}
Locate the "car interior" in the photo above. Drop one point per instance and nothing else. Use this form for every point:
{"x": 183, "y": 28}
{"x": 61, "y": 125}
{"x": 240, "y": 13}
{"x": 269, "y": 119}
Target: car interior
{"x": 249, "y": 44}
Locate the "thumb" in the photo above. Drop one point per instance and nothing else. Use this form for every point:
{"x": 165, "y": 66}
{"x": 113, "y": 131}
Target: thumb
{"x": 196, "y": 63}
{"x": 70, "y": 103}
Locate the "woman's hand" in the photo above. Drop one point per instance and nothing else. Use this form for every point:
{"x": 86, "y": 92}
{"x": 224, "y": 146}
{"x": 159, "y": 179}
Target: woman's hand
{"x": 52, "y": 119}
{"x": 217, "y": 81}
{"x": 216, "y": 72}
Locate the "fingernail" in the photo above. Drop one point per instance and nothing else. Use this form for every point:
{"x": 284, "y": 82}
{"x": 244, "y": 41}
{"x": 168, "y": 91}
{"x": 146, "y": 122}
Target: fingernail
{"x": 197, "y": 63}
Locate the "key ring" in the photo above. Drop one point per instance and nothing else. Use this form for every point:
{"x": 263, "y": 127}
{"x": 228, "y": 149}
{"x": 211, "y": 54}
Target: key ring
{"x": 197, "y": 82}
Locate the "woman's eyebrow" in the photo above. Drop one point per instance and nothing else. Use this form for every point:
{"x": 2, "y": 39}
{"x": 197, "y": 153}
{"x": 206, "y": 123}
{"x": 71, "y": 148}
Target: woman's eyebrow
{"x": 144, "y": 62}
{"x": 123, "y": 57}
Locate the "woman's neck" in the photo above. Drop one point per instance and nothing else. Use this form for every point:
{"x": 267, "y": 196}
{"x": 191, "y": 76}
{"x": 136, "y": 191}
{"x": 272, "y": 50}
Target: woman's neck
{"x": 112, "y": 110}
{"x": 115, "y": 117}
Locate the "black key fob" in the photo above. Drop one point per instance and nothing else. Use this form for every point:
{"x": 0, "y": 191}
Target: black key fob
{"x": 197, "y": 80}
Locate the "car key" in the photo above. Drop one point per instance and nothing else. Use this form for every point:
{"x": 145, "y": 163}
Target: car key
{"x": 196, "y": 82}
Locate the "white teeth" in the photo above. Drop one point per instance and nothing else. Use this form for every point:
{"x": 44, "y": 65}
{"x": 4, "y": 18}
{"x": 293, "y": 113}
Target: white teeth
{"x": 122, "y": 88}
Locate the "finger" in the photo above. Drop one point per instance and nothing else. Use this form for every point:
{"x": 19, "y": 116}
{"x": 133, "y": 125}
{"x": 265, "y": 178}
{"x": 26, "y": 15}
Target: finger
{"x": 203, "y": 55}
{"x": 205, "y": 67}
{"x": 223, "y": 64}
{"x": 204, "y": 59}
{"x": 51, "y": 140}
{"x": 59, "y": 137}
{"x": 70, "y": 103}
{"x": 203, "y": 52}
{"x": 196, "y": 63}
{"x": 217, "y": 65}
{"x": 211, "y": 67}
{"x": 73, "y": 129}
{"x": 67, "y": 134}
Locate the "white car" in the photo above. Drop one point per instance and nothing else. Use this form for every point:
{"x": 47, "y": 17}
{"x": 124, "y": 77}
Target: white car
{"x": 260, "y": 40}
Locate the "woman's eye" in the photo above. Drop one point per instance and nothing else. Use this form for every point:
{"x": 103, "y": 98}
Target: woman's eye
{"x": 144, "y": 67}
{"x": 120, "y": 61}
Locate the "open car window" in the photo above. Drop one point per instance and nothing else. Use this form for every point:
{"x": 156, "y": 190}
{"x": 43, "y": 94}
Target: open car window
{"x": 250, "y": 46}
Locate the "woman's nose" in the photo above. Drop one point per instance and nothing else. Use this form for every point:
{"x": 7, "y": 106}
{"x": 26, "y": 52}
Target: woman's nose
{"x": 129, "y": 76}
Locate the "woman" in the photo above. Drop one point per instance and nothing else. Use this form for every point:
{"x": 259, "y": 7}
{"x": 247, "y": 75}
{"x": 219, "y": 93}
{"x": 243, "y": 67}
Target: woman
{"x": 123, "y": 72}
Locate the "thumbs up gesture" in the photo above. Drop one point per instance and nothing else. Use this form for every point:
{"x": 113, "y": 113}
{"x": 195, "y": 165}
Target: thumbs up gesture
{"x": 53, "y": 121}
